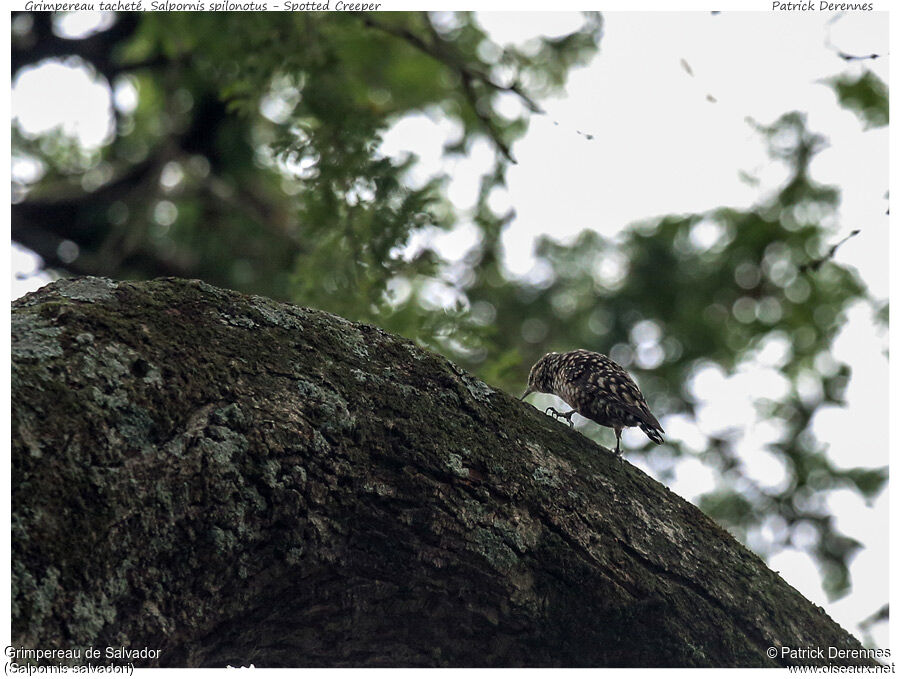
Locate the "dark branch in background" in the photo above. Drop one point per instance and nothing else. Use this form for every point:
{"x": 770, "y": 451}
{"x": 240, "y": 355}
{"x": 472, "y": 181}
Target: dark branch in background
{"x": 485, "y": 119}
{"x": 813, "y": 265}
{"x": 44, "y": 225}
{"x": 440, "y": 50}
{"x": 851, "y": 57}
{"x": 42, "y": 43}
{"x": 447, "y": 48}
{"x": 515, "y": 88}
{"x": 841, "y": 53}
{"x": 153, "y": 62}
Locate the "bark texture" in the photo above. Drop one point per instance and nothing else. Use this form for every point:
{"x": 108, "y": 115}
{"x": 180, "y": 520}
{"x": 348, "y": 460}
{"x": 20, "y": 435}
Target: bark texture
{"x": 232, "y": 480}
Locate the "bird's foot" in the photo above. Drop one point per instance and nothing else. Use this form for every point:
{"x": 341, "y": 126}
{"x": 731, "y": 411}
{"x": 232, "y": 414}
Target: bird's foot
{"x": 565, "y": 416}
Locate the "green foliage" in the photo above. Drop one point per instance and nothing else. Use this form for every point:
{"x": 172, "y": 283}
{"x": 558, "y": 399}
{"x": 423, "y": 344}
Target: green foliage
{"x": 865, "y": 95}
{"x": 252, "y": 160}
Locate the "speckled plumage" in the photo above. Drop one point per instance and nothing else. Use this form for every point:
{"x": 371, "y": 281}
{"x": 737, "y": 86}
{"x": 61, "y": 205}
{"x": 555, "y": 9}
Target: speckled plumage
{"x": 597, "y": 388}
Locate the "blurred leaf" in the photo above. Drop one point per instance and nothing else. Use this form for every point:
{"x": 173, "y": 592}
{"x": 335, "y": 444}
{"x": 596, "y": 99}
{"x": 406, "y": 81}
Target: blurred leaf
{"x": 866, "y": 96}
{"x": 731, "y": 507}
{"x": 869, "y": 482}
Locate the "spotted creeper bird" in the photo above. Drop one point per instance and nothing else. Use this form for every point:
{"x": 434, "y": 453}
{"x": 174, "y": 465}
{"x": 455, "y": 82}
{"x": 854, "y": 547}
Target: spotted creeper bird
{"x": 595, "y": 387}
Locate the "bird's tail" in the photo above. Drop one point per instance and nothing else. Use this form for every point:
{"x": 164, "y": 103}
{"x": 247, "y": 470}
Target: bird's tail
{"x": 648, "y": 423}
{"x": 652, "y": 433}
{"x": 651, "y": 426}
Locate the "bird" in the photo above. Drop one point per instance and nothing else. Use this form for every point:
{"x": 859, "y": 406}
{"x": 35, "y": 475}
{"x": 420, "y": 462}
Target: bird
{"x": 595, "y": 387}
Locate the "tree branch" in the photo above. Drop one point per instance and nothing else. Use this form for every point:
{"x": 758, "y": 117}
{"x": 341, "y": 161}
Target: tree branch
{"x": 813, "y": 265}
{"x": 441, "y": 51}
{"x": 282, "y": 473}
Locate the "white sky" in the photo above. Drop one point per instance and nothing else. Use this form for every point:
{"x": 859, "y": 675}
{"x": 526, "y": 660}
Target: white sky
{"x": 654, "y": 126}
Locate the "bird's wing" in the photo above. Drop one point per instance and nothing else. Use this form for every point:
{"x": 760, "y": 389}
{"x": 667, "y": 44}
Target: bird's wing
{"x": 580, "y": 373}
{"x": 630, "y": 398}
{"x": 618, "y": 389}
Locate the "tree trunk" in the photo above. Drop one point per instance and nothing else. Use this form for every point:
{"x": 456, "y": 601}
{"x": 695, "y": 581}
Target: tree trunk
{"x": 232, "y": 480}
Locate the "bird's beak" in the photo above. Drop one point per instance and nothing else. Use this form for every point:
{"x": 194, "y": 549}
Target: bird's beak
{"x": 529, "y": 391}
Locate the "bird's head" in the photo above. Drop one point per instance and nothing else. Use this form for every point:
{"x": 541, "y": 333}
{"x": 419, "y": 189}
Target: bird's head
{"x": 541, "y": 376}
